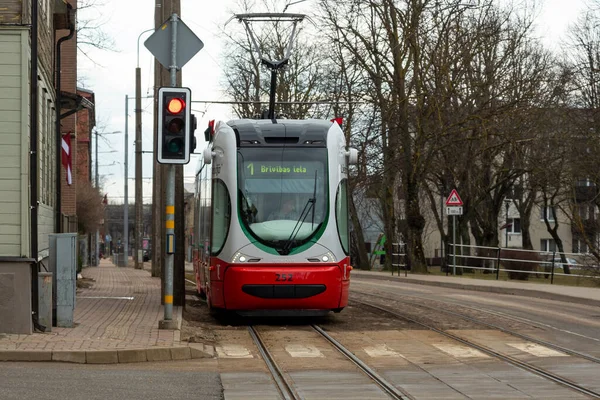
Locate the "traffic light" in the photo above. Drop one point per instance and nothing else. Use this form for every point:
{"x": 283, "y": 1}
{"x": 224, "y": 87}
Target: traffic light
{"x": 175, "y": 125}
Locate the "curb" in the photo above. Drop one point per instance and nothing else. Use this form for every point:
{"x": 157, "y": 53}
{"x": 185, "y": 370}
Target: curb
{"x": 489, "y": 289}
{"x": 189, "y": 352}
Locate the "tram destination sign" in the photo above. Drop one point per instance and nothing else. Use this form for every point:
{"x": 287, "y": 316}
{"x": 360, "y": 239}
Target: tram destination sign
{"x": 265, "y": 168}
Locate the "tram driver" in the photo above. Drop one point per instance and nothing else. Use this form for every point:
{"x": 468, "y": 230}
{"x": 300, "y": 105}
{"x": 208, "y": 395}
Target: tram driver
{"x": 287, "y": 211}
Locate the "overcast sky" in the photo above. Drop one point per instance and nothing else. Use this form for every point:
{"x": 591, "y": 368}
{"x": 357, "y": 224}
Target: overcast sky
{"x": 112, "y": 76}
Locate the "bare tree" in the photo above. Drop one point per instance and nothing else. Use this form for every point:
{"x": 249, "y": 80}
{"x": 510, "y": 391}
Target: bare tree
{"x": 90, "y": 210}
{"x": 581, "y": 199}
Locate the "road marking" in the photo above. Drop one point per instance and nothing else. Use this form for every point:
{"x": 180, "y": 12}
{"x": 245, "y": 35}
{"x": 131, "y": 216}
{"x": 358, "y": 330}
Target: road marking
{"x": 381, "y": 350}
{"x": 233, "y": 351}
{"x": 303, "y": 351}
{"x": 537, "y": 350}
{"x": 460, "y": 351}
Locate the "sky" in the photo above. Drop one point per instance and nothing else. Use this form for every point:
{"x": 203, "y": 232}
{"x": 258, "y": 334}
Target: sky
{"x": 111, "y": 76}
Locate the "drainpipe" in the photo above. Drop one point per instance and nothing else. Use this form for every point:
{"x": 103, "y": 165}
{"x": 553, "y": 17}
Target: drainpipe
{"x": 58, "y": 134}
{"x": 33, "y": 154}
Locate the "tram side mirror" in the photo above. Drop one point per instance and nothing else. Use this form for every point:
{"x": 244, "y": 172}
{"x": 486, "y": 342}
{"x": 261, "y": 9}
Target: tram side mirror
{"x": 352, "y": 154}
{"x": 208, "y": 155}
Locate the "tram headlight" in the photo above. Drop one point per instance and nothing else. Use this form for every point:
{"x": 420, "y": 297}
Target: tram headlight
{"x": 327, "y": 257}
{"x": 242, "y": 258}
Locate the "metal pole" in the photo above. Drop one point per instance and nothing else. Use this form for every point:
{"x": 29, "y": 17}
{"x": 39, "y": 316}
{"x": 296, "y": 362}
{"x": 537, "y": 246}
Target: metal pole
{"x": 442, "y": 233}
{"x": 126, "y": 204}
{"x": 272, "y": 93}
{"x": 506, "y": 226}
{"x": 139, "y": 206}
{"x": 170, "y": 201}
{"x": 454, "y": 245}
{"x": 139, "y": 202}
{"x": 97, "y": 256}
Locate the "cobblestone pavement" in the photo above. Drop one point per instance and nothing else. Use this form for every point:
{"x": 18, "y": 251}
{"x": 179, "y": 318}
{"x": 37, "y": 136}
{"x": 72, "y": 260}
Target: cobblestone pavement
{"x": 120, "y": 310}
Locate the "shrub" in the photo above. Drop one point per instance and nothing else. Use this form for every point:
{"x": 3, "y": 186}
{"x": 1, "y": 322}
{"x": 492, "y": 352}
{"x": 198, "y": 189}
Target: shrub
{"x": 520, "y": 262}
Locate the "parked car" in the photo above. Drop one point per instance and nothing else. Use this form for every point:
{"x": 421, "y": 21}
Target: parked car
{"x": 571, "y": 262}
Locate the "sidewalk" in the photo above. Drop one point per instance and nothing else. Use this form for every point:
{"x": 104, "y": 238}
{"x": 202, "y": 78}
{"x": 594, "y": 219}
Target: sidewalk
{"x": 573, "y": 294}
{"x": 116, "y": 321}
{"x": 116, "y": 318}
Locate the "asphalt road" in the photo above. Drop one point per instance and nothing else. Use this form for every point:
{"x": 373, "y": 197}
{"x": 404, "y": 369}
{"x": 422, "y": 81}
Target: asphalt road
{"x": 52, "y": 381}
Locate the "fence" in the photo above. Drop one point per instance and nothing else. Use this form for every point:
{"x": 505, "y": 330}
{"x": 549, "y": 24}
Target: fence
{"x": 493, "y": 260}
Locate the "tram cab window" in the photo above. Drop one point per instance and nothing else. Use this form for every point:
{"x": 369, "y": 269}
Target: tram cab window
{"x": 276, "y": 181}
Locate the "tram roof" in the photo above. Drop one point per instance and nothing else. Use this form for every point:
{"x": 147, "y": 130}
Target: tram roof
{"x": 266, "y": 131}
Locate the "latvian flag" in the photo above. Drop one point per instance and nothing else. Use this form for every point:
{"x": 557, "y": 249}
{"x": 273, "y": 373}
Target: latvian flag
{"x": 66, "y": 156}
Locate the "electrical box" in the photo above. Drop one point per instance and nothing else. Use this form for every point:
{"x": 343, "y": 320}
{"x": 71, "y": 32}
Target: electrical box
{"x": 63, "y": 265}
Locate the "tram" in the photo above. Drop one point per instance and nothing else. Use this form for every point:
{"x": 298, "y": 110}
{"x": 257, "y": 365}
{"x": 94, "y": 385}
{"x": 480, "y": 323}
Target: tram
{"x": 271, "y": 216}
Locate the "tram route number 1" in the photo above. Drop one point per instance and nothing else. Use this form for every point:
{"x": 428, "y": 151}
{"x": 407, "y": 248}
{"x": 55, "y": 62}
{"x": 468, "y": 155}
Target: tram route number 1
{"x": 283, "y": 277}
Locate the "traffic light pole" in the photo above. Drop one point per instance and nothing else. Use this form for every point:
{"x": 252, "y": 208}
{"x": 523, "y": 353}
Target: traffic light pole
{"x": 167, "y": 322}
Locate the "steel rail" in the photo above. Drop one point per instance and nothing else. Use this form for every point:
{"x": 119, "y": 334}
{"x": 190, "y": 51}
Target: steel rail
{"x": 283, "y": 385}
{"x": 494, "y": 326}
{"x": 387, "y": 387}
{"x": 484, "y": 349}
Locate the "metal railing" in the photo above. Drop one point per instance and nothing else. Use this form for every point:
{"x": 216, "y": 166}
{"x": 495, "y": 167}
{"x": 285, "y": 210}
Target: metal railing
{"x": 548, "y": 261}
{"x": 399, "y": 258}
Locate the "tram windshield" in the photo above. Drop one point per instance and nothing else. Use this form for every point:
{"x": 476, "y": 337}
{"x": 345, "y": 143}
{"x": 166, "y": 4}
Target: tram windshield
{"x": 283, "y": 194}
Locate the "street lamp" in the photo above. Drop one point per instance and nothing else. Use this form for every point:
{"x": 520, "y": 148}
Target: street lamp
{"x": 139, "y": 206}
{"x": 97, "y": 184}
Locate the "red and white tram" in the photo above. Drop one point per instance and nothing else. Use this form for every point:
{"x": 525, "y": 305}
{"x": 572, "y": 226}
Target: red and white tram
{"x": 272, "y": 216}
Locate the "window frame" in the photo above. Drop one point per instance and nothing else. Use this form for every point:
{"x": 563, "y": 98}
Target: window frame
{"x": 341, "y": 195}
{"x": 545, "y": 211}
{"x": 218, "y": 184}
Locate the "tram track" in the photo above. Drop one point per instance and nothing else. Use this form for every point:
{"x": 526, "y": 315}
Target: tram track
{"x": 488, "y": 351}
{"x": 511, "y": 332}
{"x": 283, "y": 383}
{"x": 287, "y": 387}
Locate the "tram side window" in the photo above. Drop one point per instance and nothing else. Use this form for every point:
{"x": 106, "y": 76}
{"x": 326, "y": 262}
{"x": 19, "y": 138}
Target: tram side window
{"x": 341, "y": 215}
{"x": 221, "y": 216}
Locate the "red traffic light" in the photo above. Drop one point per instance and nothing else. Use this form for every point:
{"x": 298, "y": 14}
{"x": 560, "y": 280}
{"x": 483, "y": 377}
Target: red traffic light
{"x": 175, "y": 105}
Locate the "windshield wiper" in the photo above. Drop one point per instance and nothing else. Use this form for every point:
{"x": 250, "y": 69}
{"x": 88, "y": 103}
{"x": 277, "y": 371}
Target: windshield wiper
{"x": 247, "y": 208}
{"x": 285, "y": 250}
{"x": 310, "y": 204}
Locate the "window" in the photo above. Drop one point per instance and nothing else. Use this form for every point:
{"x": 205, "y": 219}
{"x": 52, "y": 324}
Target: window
{"x": 515, "y": 225}
{"x": 515, "y": 193}
{"x": 549, "y": 211}
{"x": 585, "y": 182}
{"x": 579, "y": 246}
{"x": 221, "y": 216}
{"x": 584, "y": 211}
{"x": 282, "y": 194}
{"x": 341, "y": 215}
{"x": 547, "y": 245}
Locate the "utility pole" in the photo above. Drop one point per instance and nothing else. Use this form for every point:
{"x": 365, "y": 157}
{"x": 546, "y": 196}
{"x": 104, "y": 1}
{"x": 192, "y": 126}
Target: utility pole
{"x": 139, "y": 200}
{"x": 139, "y": 206}
{"x": 126, "y": 203}
{"x": 96, "y": 180}
{"x": 158, "y": 205}
{"x": 162, "y": 77}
